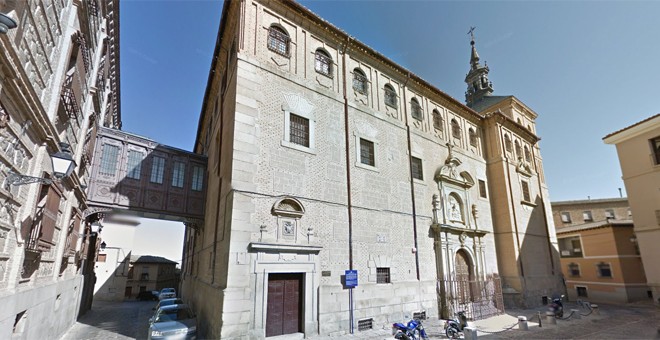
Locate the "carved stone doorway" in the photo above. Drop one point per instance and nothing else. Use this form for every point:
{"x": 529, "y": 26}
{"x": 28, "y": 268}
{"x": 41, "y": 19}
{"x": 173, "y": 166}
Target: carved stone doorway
{"x": 464, "y": 275}
{"x": 284, "y": 309}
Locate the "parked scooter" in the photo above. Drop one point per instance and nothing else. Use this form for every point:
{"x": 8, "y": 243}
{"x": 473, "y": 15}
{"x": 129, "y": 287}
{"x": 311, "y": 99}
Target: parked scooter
{"x": 413, "y": 330}
{"x": 557, "y": 307}
{"x": 453, "y": 327}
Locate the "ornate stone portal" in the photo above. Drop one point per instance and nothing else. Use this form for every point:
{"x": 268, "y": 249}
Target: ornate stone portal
{"x": 460, "y": 253}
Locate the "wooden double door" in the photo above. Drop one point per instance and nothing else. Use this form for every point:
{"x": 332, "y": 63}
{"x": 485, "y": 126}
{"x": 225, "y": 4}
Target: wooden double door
{"x": 284, "y": 305}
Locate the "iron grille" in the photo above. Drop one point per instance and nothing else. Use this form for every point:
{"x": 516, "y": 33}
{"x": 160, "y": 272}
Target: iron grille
{"x": 437, "y": 121}
{"x": 382, "y": 275}
{"x": 483, "y": 298}
{"x": 367, "y": 152}
{"x": 323, "y": 63}
{"x": 417, "y": 168}
{"x": 68, "y": 98}
{"x": 278, "y": 41}
{"x": 455, "y": 129}
{"x": 416, "y": 110}
{"x": 365, "y": 324}
{"x": 390, "y": 97}
{"x": 360, "y": 82}
{"x": 299, "y": 130}
{"x": 525, "y": 191}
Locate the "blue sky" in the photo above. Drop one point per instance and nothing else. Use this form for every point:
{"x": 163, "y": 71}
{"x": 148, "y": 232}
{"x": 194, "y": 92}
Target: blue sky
{"x": 588, "y": 68}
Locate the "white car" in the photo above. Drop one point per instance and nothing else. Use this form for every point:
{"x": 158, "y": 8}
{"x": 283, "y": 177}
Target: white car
{"x": 167, "y": 293}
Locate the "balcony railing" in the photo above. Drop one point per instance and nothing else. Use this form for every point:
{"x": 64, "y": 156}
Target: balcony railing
{"x": 71, "y": 91}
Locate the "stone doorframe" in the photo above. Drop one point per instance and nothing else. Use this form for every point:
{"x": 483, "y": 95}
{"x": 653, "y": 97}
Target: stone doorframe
{"x": 282, "y": 258}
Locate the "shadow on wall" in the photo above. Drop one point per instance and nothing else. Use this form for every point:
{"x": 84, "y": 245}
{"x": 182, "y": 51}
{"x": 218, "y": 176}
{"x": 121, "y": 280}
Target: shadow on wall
{"x": 539, "y": 259}
{"x": 114, "y": 286}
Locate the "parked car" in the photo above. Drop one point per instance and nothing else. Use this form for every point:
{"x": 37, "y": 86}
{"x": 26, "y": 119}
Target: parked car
{"x": 147, "y": 295}
{"x": 167, "y": 302}
{"x": 173, "y": 322}
{"x": 167, "y": 293}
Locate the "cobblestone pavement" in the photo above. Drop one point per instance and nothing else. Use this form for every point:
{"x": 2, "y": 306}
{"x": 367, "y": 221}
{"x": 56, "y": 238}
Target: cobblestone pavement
{"x": 128, "y": 320}
{"x": 113, "y": 320}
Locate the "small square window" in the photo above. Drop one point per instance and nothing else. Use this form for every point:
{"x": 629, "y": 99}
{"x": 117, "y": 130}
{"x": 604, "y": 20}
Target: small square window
{"x": 482, "y": 189}
{"x": 581, "y": 291}
{"x": 525, "y": 191}
{"x": 382, "y": 275}
{"x": 367, "y": 152}
{"x": 587, "y": 216}
{"x": 566, "y": 217}
{"x": 417, "y": 171}
{"x": 573, "y": 269}
{"x": 604, "y": 270}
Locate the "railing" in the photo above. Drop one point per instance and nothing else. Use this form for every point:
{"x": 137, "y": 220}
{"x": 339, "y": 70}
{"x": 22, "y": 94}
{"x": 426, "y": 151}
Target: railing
{"x": 478, "y": 299}
{"x": 69, "y": 97}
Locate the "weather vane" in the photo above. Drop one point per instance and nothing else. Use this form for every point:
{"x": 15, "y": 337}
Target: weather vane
{"x": 471, "y": 31}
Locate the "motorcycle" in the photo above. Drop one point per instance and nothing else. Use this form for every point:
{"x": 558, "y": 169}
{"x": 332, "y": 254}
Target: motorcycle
{"x": 557, "y": 307}
{"x": 413, "y": 330}
{"x": 453, "y": 327}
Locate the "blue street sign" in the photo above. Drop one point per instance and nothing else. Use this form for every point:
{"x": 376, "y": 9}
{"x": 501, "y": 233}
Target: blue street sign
{"x": 351, "y": 278}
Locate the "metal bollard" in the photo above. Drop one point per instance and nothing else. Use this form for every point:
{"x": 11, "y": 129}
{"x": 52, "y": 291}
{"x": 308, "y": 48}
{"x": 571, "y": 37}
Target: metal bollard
{"x": 522, "y": 323}
{"x": 576, "y": 314}
{"x": 539, "y": 315}
{"x": 550, "y": 318}
{"x": 595, "y": 308}
{"x": 470, "y": 333}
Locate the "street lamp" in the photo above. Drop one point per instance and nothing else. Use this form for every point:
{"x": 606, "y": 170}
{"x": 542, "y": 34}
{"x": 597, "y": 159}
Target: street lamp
{"x": 6, "y": 23}
{"x": 63, "y": 165}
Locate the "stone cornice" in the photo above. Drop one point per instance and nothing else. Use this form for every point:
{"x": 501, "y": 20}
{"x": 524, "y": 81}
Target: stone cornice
{"x": 509, "y": 123}
{"x": 284, "y": 248}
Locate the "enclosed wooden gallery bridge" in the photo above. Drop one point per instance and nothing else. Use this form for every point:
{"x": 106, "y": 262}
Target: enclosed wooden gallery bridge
{"x": 131, "y": 174}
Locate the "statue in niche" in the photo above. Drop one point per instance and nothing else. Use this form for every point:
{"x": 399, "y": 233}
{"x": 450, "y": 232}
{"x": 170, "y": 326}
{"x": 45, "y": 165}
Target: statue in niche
{"x": 455, "y": 210}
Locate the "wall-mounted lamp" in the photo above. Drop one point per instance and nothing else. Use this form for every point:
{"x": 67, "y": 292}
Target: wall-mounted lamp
{"x": 103, "y": 245}
{"x": 6, "y": 23}
{"x": 63, "y": 165}
{"x": 96, "y": 227}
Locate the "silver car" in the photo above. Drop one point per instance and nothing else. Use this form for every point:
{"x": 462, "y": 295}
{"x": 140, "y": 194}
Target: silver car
{"x": 167, "y": 293}
{"x": 173, "y": 322}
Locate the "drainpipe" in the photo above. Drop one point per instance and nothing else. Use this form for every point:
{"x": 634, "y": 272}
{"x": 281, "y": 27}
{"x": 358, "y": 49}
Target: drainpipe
{"x": 348, "y": 158}
{"x": 412, "y": 182}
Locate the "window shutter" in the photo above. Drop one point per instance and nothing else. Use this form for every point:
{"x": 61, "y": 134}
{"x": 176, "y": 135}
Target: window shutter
{"x": 73, "y": 238}
{"x": 49, "y": 217}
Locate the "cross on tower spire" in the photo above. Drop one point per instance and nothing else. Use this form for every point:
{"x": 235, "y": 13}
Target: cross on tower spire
{"x": 477, "y": 78}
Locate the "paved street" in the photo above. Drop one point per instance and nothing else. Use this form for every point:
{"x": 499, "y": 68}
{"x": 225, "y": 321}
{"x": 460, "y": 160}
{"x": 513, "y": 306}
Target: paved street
{"x": 128, "y": 320}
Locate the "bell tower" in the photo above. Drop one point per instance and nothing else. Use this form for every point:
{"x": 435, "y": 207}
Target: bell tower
{"x": 477, "y": 79}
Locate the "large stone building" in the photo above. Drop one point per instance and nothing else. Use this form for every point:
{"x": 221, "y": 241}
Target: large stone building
{"x": 326, "y": 156}
{"x": 598, "y": 249}
{"x": 59, "y": 80}
{"x": 638, "y": 147}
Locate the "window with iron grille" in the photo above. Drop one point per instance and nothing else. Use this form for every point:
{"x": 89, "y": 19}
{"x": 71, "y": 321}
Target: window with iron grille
{"x": 518, "y": 150}
{"x": 299, "y": 130}
{"x": 482, "y": 189}
{"x": 419, "y": 315}
{"x": 197, "y": 178}
{"x": 382, "y": 275}
{"x": 323, "y": 63}
{"x": 134, "y": 164}
{"x": 655, "y": 145}
{"x": 416, "y": 109}
{"x": 157, "y": 170}
{"x": 455, "y": 129}
{"x": 109, "y": 160}
{"x": 473, "y": 137}
{"x": 525, "y": 191}
{"x": 365, "y": 324}
{"x": 573, "y": 269}
{"x": 278, "y": 41}
{"x": 417, "y": 171}
{"x": 178, "y": 173}
{"x": 367, "y": 152}
{"x": 604, "y": 270}
{"x": 390, "y": 96}
{"x": 359, "y": 81}
{"x": 507, "y": 143}
{"x": 437, "y": 120}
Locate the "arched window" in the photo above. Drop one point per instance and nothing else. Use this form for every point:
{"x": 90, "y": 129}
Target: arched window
{"x": 390, "y": 96}
{"x": 359, "y": 81}
{"x": 278, "y": 40}
{"x": 455, "y": 129}
{"x": 473, "y": 137}
{"x": 528, "y": 156}
{"x": 518, "y": 149}
{"x": 507, "y": 143}
{"x": 437, "y": 120}
{"x": 323, "y": 63}
{"x": 416, "y": 109}
{"x": 519, "y": 122}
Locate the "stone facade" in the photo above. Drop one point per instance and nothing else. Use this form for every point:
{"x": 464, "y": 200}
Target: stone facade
{"x": 638, "y": 148}
{"x": 324, "y": 156}
{"x": 58, "y": 80}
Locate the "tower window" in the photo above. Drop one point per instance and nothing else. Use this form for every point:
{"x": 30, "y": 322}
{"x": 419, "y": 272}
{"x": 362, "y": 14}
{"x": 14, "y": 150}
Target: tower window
{"x": 518, "y": 150}
{"x": 323, "y": 63}
{"x": 528, "y": 156}
{"x": 390, "y": 96}
{"x": 416, "y": 109}
{"x": 507, "y": 143}
{"x": 482, "y": 189}
{"x": 473, "y": 137}
{"x": 525, "y": 191}
{"x": 278, "y": 41}
{"x": 437, "y": 120}
{"x": 359, "y": 81}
